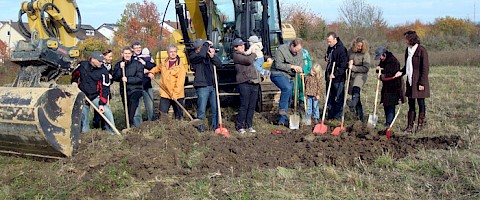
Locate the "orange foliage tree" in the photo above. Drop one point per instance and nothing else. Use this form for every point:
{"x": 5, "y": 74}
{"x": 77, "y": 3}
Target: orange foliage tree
{"x": 3, "y": 51}
{"x": 140, "y": 22}
{"x": 307, "y": 24}
{"x": 454, "y": 27}
{"x": 395, "y": 34}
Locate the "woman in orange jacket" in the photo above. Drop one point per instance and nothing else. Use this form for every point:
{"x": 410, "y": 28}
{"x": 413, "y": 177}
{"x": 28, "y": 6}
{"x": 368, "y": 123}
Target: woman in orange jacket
{"x": 172, "y": 82}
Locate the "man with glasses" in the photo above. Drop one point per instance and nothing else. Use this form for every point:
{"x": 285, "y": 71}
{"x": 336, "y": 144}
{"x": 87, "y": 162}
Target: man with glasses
{"x": 288, "y": 61}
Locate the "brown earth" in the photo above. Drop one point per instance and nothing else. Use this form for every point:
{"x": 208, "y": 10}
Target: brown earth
{"x": 174, "y": 149}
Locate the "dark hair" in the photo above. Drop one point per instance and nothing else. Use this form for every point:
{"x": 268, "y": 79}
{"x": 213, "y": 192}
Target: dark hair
{"x": 333, "y": 34}
{"x": 297, "y": 41}
{"x": 127, "y": 48}
{"x": 105, "y": 51}
{"x": 412, "y": 37}
{"x": 136, "y": 43}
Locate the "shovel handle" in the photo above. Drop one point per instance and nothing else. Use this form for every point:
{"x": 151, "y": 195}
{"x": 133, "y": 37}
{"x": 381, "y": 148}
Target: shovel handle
{"x": 171, "y": 97}
{"x": 395, "y": 118}
{"x": 103, "y": 116}
{"x": 328, "y": 93}
{"x": 127, "y": 118}
{"x": 376, "y": 94}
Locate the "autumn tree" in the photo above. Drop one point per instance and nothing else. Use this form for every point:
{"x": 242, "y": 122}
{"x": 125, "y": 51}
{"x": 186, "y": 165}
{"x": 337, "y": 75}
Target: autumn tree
{"x": 360, "y": 18}
{"x": 90, "y": 45}
{"x": 454, "y": 27}
{"x": 140, "y": 22}
{"x": 395, "y": 34}
{"x": 3, "y": 51}
{"x": 307, "y": 24}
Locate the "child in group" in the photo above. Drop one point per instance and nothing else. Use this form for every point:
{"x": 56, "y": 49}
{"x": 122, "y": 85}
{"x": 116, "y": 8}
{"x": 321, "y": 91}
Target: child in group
{"x": 313, "y": 90}
{"x": 256, "y": 47}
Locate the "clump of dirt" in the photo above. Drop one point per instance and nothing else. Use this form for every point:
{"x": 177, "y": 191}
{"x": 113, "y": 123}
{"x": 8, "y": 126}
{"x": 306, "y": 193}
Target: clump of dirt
{"x": 171, "y": 148}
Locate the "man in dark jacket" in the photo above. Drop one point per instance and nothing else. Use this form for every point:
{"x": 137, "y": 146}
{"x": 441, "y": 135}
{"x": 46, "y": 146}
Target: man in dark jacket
{"x": 143, "y": 56}
{"x": 93, "y": 80}
{"x": 134, "y": 81}
{"x": 248, "y": 79}
{"x": 202, "y": 61}
{"x": 392, "y": 88}
{"x": 288, "y": 62}
{"x": 336, "y": 53}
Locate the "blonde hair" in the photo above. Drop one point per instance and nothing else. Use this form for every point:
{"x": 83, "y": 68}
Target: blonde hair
{"x": 318, "y": 70}
{"x": 362, "y": 40}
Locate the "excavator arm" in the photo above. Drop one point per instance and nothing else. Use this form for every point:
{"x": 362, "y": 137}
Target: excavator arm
{"x": 38, "y": 117}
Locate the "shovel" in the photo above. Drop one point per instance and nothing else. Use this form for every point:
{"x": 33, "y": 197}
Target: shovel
{"x": 387, "y": 133}
{"x": 339, "y": 129}
{"x": 295, "y": 118}
{"x": 104, "y": 117}
{"x": 372, "y": 119}
{"x": 305, "y": 120}
{"x": 194, "y": 122}
{"x": 220, "y": 129}
{"x": 322, "y": 128}
{"x": 127, "y": 119}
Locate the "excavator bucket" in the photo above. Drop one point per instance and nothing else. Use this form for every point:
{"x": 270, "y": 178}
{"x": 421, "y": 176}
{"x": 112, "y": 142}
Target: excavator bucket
{"x": 42, "y": 122}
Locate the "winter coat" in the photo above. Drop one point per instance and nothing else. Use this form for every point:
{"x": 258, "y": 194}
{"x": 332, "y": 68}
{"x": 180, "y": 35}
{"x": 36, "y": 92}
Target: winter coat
{"x": 149, "y": 65}
{"x": 134, "y": 74}
{"x": 392, "y": 89}
{"x": 337, "y": 54}
{"x": 420, "y": 74}
{"x": 171, "y": 78}
{"x": 284, "y": 59}
{"x": 361, "y": 65}
{"x": 313, "y": 86}
{"x": 93, "y": 81}
{"x": 246, "y": 72}
{"x": 255, "y": 48}
{"x": 202, "y": 65}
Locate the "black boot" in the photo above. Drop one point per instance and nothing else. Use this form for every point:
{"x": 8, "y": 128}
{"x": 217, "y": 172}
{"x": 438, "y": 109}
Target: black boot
{"x": 353, "y": 103}
{"x": 421, "y": 121}
{"x": 359, "y": 109}
{"x": 410, "y": 121}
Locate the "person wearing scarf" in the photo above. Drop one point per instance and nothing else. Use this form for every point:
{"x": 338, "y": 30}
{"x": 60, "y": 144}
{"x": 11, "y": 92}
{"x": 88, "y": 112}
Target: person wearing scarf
{"x": 417, "y": 84}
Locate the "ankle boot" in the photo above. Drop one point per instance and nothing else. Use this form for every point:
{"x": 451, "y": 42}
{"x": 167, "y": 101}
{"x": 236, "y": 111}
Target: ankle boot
{"x": 410, "y": 121}
{"x": 421, "y": 121}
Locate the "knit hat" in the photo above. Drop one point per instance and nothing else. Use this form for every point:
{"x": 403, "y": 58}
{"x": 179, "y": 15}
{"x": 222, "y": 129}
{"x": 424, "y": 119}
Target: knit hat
{"x": 145, "y": 51}
{"x": 254, "y": 39}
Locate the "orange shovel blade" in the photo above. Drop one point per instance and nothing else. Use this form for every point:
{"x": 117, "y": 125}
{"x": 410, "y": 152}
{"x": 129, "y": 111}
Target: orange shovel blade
{"x": 222, "y": 131}
{"x": 338, "y": 130}
{"x": 320, "y": 128}
{"x": 387, "y": 133}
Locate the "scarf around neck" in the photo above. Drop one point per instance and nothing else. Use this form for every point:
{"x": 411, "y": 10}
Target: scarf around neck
{"x": 411, "y": 51}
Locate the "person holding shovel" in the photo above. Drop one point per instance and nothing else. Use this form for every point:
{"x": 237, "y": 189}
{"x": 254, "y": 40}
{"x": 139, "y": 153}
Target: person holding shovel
{"x": 94, "y": 80}
{"x": 336, "y": 53}
{"x": 392, "y": 87}
{"x": 248, "y": 79}
{"x": 172, "y": 82}
{"x": 417, "y": 84}
{"x": 288, "y": 62}
{"x": 359, "y": 63}
{"x": 130, "y": 72}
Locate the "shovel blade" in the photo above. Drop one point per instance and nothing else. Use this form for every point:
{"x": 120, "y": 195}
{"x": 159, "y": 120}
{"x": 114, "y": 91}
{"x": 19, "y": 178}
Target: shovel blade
{"x": 372, "y": 120}
{"x": 387, "y": 133}
{"x": 320, "y": 128}
{"x": 338, "y": 130}
{"x": 222, "y": 131}
{"x": 294, "y": 122}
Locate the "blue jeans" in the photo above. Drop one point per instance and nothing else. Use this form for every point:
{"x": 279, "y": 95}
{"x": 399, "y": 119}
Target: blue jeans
{"x": 285, "y": 84}
{"x": 258, "y": 65}
{"x": 389, "y": 114}
{"x": 335, "y": 100}
{"x": 148, "y": 102}
{"x": 86, "y": 116}
{"x": 312, "y": 107}
{"x": 207, "y": 95}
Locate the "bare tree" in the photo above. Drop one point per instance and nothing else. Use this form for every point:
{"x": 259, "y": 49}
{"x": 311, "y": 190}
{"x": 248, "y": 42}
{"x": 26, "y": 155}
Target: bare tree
{"x": 358, "y": 15}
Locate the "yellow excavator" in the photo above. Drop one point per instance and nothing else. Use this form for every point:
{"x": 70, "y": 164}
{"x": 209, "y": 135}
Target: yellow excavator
{"x": 38, "y": 117}
{"x": 221, "y": 21}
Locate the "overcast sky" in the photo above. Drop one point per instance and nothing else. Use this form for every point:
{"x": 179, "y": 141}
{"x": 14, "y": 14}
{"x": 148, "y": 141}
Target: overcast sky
{"x": 395, "y": 12}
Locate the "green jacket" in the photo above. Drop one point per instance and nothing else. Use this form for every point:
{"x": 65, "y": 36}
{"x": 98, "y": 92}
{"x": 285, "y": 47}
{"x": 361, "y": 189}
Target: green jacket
{"x": 307, "y": 66}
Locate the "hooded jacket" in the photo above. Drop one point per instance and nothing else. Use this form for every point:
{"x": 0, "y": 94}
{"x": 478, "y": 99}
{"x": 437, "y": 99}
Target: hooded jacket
{"x": 134, "y": 74}
{"x": 172, "y": 79}
{"x": 202, "y": 65}
{"x": 337, "y": 54}
{"x": 93, "y": 81}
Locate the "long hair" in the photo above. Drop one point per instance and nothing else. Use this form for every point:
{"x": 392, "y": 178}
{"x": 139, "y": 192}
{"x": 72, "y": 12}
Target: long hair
{"x": 357, "y": 40}
{"x": 412, "y": 37}
{"x": 318, "y": 71}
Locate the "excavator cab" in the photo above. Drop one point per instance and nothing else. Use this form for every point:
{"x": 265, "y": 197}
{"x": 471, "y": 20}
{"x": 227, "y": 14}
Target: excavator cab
{"x": 37, "y": 117}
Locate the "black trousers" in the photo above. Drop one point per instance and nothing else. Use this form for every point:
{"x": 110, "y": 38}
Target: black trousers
{"x": 166, "y": 103}
{"x": 421, "y": 104}
{"x": 248, "y": 101}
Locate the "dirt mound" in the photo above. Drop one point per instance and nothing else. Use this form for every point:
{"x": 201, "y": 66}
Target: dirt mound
{"x": 177, "y": 150}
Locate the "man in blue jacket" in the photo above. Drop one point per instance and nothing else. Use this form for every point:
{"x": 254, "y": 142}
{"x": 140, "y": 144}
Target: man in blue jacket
{"x": 202, "y": 60}
{"x": 93, "y": 80}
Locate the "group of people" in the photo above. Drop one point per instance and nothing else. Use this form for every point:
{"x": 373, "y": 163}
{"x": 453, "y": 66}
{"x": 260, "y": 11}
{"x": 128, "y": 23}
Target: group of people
{"x": 136, "y": 72}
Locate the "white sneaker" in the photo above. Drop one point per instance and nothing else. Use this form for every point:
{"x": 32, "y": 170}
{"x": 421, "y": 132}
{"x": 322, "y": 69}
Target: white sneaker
{"x": 241, "y": 131}
{"x": 251, "y": 130}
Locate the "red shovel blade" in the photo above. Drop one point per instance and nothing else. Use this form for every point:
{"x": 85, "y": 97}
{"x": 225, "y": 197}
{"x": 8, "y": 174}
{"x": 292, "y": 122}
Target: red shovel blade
{"x": 387, "y": 133}
{"x": 338, "y": 130}
{"x": 320, "y": 128}
{"x": 222, "y": 131}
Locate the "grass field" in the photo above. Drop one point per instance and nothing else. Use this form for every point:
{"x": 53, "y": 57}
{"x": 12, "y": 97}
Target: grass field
{"x": 453, "y": 109}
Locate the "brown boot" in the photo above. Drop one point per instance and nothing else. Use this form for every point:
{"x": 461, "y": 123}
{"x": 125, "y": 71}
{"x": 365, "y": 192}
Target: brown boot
{"x": 421, "y": 121}
{"x": 410, "y": 121}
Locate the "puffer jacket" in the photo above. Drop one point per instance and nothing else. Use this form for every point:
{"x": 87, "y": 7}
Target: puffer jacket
{"x": 134, "y": 74}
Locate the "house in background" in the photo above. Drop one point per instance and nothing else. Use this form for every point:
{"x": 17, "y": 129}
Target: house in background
{"x": 108, "y": 30}
{"x": 87, "y": 31}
